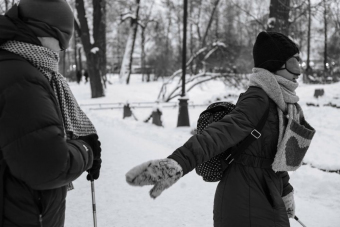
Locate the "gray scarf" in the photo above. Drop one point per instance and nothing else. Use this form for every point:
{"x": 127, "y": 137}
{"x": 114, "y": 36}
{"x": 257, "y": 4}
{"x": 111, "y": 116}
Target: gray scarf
{"x": 282, "y": 92}
{"x": 279, "y": 89}
{"x": 295, "y": 134}
{"x": 76, "y": 123}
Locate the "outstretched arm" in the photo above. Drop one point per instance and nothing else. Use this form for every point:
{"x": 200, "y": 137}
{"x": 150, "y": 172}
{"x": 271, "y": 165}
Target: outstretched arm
{"x": 226, "y": 133}
{"x": 217, "y": 138}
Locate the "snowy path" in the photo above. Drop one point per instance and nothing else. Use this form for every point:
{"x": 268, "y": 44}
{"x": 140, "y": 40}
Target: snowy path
{"x": 188, "y": 202}
{"x": 127, "y": 143}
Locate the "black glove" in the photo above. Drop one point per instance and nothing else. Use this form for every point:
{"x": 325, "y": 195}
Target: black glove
{"x": 94, "y": 143}
{"x": 94, "y": 171}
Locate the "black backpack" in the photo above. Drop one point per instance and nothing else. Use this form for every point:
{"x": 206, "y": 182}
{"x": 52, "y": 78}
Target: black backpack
{"x": 212, "y": 170}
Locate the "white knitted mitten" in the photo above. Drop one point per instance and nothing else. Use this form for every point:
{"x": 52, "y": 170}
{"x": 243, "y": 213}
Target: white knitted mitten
{"x": 161, "y": 173}
{"x": 289, "y": 204}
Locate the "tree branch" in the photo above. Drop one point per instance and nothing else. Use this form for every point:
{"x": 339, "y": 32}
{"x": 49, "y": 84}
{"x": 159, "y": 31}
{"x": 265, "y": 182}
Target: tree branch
{"x": 249, "y": 14}
{"x": 210, "y": 21}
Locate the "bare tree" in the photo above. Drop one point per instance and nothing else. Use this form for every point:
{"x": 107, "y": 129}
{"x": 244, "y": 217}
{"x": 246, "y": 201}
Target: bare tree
{"x": 125, "y": 71}
{"x": 309, "y": 36}
{"x": 143, "y": 22}
{"x": 203, "y": 41}
{"x": 325, "y": 62}
{"x": 95, "y": 52}
{"x": 278, "y": 16}
{"x": 172, "y": 87}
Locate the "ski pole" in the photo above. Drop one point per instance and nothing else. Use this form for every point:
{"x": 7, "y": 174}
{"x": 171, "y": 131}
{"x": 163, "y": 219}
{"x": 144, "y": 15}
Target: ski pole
{"x": 297, "y": 219}
{"x": 93, "y": 204}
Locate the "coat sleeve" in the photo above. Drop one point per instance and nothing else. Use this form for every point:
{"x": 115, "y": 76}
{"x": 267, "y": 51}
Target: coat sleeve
{"x": 32, "y": 137}
{"x": 221, "y": 135}
{"x": 287, "y": 187}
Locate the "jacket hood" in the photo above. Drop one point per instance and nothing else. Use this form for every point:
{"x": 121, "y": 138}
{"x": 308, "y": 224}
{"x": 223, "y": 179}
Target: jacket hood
{"x": 13, "y": 28}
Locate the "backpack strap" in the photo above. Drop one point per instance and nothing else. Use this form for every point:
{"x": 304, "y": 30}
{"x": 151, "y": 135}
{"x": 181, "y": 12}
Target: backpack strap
{"x": 255, "y": 134}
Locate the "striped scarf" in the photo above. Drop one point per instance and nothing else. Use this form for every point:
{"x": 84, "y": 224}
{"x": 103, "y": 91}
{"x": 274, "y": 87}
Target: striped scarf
{"x": 76, "y": 123}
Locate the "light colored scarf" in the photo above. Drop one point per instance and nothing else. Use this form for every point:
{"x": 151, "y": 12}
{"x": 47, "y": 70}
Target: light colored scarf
{"x": 281, "y": 91}
{"x": 295, "y": 134}
{"x": 278, "y": 88}
{"x": 76, "y": 123}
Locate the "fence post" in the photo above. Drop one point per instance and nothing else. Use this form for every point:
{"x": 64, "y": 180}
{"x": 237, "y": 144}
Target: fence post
{"x": 319, "y": 93}
{"x": 127, "y": 111}
{"x": 156, "y": 117}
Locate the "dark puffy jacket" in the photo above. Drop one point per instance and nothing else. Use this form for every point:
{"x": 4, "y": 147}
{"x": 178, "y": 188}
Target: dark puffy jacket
{"x": 249, "y": 194}
{"x": 40, "y": 161}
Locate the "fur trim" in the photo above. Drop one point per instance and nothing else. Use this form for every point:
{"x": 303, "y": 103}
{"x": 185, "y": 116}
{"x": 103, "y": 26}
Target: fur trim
{"x": 161, "y": 173}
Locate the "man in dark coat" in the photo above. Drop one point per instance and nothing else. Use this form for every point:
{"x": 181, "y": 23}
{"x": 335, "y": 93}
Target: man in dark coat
{"x": 251, "y": 193}
{"x": 46, "y": 141}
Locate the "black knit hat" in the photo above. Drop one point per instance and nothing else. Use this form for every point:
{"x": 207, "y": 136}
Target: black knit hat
{"x": 48, "y": 18}
{"x": 272, "y": 49}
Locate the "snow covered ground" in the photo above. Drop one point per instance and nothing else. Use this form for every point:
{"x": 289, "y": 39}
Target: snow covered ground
{"x": 189, "y": 202}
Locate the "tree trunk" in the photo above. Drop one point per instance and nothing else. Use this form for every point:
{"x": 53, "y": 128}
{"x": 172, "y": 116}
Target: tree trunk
{"x": 125, "y": 69}
{"x": 143, "y": 52}
{"x": 279, "y": 16}
{"x": 167, "y": 41}
{"x": 209, "y": 23}
{"x": 99, "y": 35}
{"x": 118, "y": 49}
{"x": 308, "y": 69}
{"x": 326, "y": 24}
{"x": 179, "y": 35}
{"x": 135, "y": 28}
{"x": 216, "y": 24}
{"x": 80, "y": 60}
{"x": 191, "y": 47}
{"x": 6, "y": 5}
{"x": 75, "y": 53}
{"x": 126, "y": 57}
{"x": 92, "y": 56}
{"x": 134, "y": 34}
{"x": 64, "y": 62}
{"x": 204, "y": 38}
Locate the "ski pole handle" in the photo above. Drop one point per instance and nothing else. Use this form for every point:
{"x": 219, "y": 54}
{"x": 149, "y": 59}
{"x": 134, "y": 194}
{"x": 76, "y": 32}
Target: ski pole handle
{"x": 297, "y": 219}
{"x": 94, "y": 204}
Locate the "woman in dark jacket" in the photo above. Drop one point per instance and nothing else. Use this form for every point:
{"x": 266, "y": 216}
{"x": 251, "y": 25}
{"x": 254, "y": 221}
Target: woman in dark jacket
{"x": 46, "y": 141}
{"x": 254, "y": 190}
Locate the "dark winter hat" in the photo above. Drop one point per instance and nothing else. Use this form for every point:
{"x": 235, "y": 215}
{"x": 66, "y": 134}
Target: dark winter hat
{"x": 272, "y": 49}
{"x": 48, "y": 18}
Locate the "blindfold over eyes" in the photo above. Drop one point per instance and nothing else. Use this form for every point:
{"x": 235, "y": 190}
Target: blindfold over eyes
{"x": 292, "y": 65}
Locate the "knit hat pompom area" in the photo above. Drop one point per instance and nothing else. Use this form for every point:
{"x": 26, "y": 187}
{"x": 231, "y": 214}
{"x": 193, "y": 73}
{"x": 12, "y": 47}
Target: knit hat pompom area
{"x": 272, "y": 49}
{"x": 48, "y": 18}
